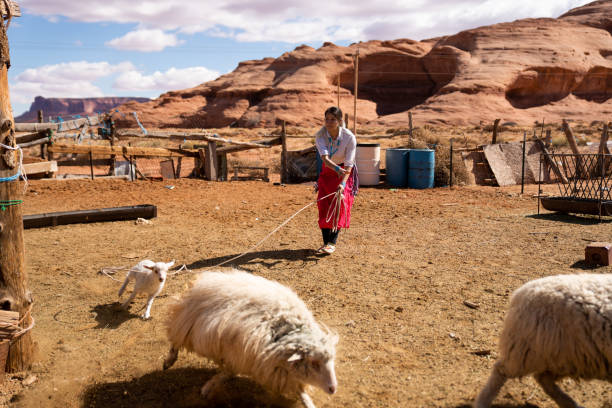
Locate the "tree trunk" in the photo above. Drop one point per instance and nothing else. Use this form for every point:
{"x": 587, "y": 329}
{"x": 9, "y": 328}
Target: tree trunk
{"x": 14, "y": 294}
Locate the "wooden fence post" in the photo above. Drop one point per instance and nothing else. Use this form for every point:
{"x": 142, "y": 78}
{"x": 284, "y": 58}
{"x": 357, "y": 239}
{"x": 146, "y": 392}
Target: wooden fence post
{"x": 284, "y": 154}
{"x": 495, "y": 125}
{"x": 572, "y": 142}
{"x": 14, "y": 293}
{"x": 210, "y": 161}
{"x": 42, "y": 146}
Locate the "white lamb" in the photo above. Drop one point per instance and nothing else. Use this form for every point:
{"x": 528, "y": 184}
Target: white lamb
{"x": 149, "y": 278}
{"x": 556, "y": 327}
{"x": 256, "y": 327}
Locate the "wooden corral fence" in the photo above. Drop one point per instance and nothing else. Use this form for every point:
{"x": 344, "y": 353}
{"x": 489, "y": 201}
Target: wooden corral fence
{"x": 210, "y": 158}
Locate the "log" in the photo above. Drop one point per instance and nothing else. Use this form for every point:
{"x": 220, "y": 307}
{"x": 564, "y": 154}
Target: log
{"x": 123, "y": 150}
{"x": 57, "y": 127}
{"x": 28, "y": 137}
{"x": 36, "y": 142}
{"x": 85, "y": 216}
{"x": 186, "y": 136}
{"x": 261, "y": 143}
{"x": 14, "y": 292}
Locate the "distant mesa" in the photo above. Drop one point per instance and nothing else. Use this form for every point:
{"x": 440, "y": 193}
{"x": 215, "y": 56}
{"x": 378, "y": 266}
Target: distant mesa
{"x": 67, "y": 107}
{"x": 522, "y": 71}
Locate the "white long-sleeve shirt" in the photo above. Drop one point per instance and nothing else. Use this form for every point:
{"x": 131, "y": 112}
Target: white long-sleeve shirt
{"x": 341, "y": 150}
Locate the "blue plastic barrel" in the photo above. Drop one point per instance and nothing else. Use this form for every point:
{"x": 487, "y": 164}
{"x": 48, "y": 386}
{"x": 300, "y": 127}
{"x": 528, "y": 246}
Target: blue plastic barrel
{"x": 397, "y": 167}
{"x": 421, "y": 168}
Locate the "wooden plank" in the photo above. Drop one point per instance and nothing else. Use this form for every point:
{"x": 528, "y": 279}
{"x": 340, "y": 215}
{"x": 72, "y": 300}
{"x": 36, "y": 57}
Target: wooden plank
{"x": 36, "y": 142}
{"x": 82, "y": 161}
{"x": 29, "y": 137}
{"x": 41, "y": 167}
{"x": 123, "y": 150}
{"x": 57, "y": 127}
{"x": 167, "y": 169}
{"x": 14, "y": 9}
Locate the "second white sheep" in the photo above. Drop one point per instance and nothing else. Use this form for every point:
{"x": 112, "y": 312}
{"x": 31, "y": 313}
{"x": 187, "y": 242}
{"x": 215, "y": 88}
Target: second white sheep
{"x": 149, "y": 278}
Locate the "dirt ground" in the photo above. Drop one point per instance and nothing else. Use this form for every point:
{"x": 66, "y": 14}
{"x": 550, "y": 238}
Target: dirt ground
{"x": 394, "y": 290}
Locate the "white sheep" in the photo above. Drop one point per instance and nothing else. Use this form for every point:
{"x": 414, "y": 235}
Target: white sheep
{"x": 149, "y": 278}
{"x": 556, "y": 327}
{"x": 252, "y": 326}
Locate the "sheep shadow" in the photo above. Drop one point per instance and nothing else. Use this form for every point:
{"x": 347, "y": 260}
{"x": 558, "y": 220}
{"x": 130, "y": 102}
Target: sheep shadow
{"x": 571, "y": 218}
{"x": 111, "y": 315}
{"x": 268, "y": 259}
{"x": 180, "y": 388}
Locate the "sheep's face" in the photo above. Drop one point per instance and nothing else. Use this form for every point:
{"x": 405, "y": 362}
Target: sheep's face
{"x": 160, "y": 269}
{"x": 316, "y": 369}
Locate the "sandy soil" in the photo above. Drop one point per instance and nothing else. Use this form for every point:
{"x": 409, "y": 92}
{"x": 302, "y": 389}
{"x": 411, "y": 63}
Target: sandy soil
{"x": 394, "y": 290}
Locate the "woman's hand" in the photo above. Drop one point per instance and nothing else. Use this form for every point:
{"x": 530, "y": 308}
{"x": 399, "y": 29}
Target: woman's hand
{"x": 340, "y": 171}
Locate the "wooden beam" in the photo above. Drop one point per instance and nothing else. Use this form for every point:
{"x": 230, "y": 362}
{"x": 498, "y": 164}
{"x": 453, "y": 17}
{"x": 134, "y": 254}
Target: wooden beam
{"x": 57, "y": 127}
{"x": 40, "y": 167}
{"x": 551, "y": 162}
{"x": 572, "y": 143}
{"x": 124, "y": 150}
{"x": 36, "y": 142}
{"x": 261, "y": 144}
{"x": 28, "y": 137}
{"x": 186, "y": 136}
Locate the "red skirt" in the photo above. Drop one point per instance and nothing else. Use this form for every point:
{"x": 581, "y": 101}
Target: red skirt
{"x": 328, "y": 183}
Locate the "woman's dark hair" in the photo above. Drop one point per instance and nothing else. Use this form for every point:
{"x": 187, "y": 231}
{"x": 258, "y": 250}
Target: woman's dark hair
{"x": 334, "y": 111}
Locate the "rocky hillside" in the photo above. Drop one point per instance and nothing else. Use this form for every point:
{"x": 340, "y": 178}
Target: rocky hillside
{"x": 67, "y": 107}
{"x": 521, "y": 71}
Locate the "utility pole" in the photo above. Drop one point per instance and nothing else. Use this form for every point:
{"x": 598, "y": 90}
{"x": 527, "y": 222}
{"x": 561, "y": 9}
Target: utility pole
{"x": 14, "y": 295}
{"x": 338, "y": 92}
{"x": 356, "y": 62}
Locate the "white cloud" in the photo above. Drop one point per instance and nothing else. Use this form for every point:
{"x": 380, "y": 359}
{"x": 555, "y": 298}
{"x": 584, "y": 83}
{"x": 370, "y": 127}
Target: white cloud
{"x": 65, "y": 80}
{"x": 172, "y": 79}
{"x": 144, "y": 40}
{"x": 299, "y": 21}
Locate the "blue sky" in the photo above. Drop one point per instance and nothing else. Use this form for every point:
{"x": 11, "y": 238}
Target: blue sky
{"x": 93, "y": 48}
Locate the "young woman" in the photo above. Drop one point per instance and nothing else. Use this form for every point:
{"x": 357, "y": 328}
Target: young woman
{"x": 336, "y": 146}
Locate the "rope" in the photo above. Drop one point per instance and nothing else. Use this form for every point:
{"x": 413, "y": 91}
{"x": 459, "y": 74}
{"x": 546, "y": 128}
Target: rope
{"x": 111, "y": 270}
{"x": 333, "y": 212}
{"x": 7, "y": 203}
{"x": 20, "y": 170}
{"x": 19, "y": 331}
{"x": 139, "y": 124}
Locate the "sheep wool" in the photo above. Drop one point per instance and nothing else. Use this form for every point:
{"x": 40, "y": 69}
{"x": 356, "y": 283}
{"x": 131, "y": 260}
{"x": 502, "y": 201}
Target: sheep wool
{"x": 558, "y": 326}
{"x": 252, "y": 326}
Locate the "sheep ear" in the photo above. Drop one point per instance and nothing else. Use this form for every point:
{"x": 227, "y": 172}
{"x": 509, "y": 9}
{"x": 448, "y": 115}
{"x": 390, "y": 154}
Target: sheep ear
{"x": 170, "y": 264}
{"x": 294, "y": 357}
{"x": 149, "y": 267}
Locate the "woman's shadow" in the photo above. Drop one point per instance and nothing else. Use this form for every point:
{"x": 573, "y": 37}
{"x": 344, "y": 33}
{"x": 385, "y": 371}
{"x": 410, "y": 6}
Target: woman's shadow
{"x": 268, "y": 259}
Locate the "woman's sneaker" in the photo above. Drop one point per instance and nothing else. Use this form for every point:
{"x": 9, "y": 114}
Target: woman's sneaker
{"x": 328, "y": 249}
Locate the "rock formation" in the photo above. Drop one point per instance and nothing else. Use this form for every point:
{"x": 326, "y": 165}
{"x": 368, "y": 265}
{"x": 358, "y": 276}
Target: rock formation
{"x": 521, "y": 71}
{"x": 67, "y": 107}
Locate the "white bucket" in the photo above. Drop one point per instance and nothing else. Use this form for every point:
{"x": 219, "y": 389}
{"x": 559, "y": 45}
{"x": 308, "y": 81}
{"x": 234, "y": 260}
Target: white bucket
{"x": 367, "y": 159}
